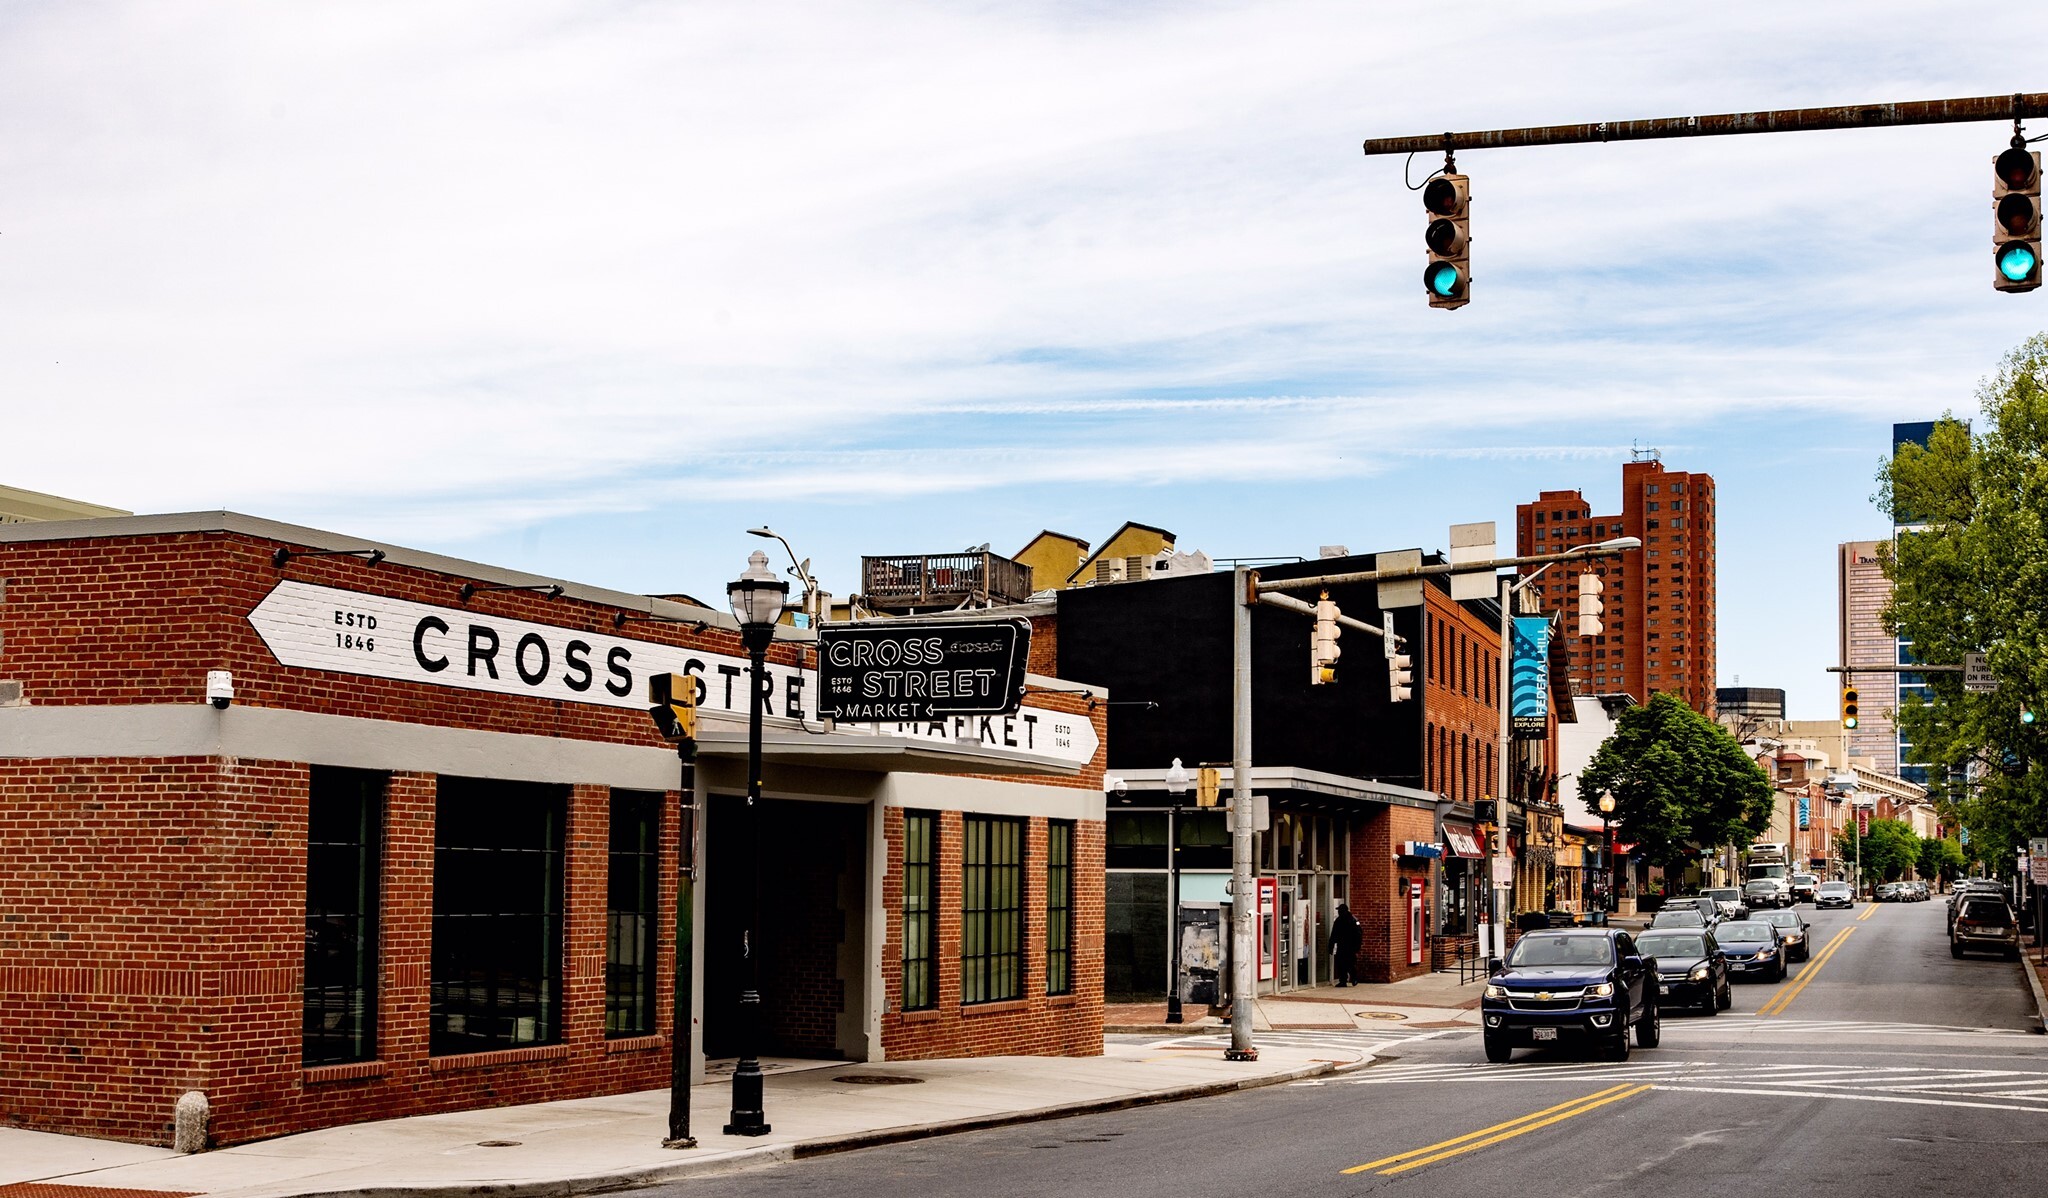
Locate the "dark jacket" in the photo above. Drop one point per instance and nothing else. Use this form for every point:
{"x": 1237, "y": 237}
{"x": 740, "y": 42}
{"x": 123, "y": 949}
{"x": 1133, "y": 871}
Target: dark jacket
{"x": 1345, "y": 934}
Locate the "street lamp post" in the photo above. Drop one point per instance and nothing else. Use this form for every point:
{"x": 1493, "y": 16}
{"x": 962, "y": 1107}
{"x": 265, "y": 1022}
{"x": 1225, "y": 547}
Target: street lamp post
{"x": 1607, "y": 847}
{"x": 757, "y": 599}
{"x": 1176, "y": 786}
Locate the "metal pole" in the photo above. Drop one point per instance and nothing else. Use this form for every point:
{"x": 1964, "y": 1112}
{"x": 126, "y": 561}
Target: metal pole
{"x": 1784, "y": 120}
{"x": 1174, "y": 1013}
{"x": 747, "y": 1117}
{"x": 680, "y": 1046}
{"x": 1500, "y": 775}
{"x": 1244, "y": 898}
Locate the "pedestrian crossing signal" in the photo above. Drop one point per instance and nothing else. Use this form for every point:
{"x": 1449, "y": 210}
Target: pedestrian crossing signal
{"x": 674, "y": 699}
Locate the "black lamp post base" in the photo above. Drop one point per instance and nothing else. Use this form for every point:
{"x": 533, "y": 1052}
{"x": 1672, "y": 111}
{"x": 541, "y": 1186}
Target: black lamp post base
{"x": 747, "y": 1129}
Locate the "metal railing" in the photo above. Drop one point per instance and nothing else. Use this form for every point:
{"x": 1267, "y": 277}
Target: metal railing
{"x": 936, "y": 581}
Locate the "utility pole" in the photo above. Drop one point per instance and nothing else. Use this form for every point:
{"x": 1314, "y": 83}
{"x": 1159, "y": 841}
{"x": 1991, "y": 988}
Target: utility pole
{"x": 1244, "y": 898}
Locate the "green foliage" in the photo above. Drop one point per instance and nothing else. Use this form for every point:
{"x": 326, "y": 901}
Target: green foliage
{"x": 1889, "y": 851}
{"x": 1973, "y": 576}
{"x": 1940, "y": 858}
{"x": 1680, "y": 782}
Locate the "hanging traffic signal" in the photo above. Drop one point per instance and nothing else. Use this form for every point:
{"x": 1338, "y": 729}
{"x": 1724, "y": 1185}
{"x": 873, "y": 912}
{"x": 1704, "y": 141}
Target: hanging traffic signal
{"x": 1590, "y": 606}
{"x": 2016, "y": 230}
{"x": 1448, "y": 276}
{"x": 674, "y": 699}
{"x": 2026, "y": 715}
{"x": 1848, "y": 707}
{"x": 1323, "y": 651}
{"x": 1400, "y": 675}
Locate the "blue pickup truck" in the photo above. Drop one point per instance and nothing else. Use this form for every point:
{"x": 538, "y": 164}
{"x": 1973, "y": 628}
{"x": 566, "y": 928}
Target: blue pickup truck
{"x": 1583, "y": 985}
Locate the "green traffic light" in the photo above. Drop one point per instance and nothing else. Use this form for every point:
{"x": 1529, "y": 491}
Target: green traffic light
{"x": 1444, "y": 279}
{"x": 2017, "y": 261}
{"x": 2026, "y": 716}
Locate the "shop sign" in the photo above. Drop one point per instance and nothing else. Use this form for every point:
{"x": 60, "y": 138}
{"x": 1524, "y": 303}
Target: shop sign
{"x": 900, "y": 670}
{"x": 1529, "y": 676}
{"x": 353, "y": 632}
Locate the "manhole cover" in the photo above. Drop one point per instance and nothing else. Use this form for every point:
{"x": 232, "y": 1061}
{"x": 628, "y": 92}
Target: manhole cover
{"x": 878, "y": 1079}
{"x": 1381, "y": 1015}
{"x": 499, "y": 1143}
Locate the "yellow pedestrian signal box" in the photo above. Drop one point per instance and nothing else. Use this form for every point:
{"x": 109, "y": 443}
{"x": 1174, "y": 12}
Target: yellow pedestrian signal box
{"x": 674, "y": 699}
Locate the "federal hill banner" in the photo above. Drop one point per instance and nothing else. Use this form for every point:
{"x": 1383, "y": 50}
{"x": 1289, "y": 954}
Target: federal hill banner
{"x": 353, "y": 632}
{"x": 1529, "y": 676}
{"x": 898, "y": 670}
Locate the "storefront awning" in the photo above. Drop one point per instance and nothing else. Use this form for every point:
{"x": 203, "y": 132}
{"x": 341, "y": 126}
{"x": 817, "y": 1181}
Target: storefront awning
{"x": 884, "y": 754}
{"x": 1462, "y": 841}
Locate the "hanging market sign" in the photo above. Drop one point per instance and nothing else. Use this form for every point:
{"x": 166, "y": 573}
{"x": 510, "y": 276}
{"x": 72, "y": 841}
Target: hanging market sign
{"x": 1529, "y": 676}
{"x": 353, "y": 632}
{"x": 899, "y": 670}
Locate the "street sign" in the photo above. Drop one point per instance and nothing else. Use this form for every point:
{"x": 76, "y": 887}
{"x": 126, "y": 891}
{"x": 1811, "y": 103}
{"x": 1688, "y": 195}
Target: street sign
{"x": 901, "y": 670}
{"x": 1977, "y": 677}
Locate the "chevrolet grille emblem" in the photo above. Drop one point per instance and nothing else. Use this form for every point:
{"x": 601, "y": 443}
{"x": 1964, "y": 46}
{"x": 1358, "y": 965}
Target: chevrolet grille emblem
{"x": 1543, "y": 996}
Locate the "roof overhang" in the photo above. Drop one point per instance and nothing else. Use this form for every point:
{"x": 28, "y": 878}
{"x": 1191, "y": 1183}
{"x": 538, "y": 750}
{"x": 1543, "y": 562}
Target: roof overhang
{"x": 1291, "y": 780}
{"x": 882, "y": 754}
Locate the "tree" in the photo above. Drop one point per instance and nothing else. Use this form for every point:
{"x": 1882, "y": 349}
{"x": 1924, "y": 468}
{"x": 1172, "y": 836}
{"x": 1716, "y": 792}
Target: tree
{"x": 1889, "y": 849}
{"x": 1680, "y": 782}
{"x": 1971, "y": 575}
{"x": 1940, "y": 858}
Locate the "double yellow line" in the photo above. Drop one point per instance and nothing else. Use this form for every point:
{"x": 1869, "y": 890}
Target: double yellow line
{"x": 1487, "y": 1136}
{"x": 1867, "y": 913}
{"x": 1783, "y": 998}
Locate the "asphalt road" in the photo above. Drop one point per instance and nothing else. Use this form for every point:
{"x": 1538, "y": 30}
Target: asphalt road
{"x": 1880, "y": 1067}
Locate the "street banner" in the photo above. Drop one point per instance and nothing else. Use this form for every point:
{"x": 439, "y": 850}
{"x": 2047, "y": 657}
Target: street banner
{"x": 1529, "y": 676}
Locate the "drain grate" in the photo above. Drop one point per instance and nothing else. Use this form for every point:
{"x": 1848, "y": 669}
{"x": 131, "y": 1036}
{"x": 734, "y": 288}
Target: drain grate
{"x": 878, "y": 1079}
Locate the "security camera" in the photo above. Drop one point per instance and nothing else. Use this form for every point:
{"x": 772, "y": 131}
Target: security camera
{"x": 1118, "y": 787}
{"x": 220, "y": 688}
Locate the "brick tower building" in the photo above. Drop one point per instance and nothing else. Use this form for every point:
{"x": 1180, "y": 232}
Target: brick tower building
{"x": 1660, "y": 607}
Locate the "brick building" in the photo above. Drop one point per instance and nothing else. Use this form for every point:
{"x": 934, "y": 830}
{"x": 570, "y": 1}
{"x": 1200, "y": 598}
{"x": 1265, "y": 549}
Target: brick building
{"x": 1660, "y": 602}
{"x": 428, "y": 855}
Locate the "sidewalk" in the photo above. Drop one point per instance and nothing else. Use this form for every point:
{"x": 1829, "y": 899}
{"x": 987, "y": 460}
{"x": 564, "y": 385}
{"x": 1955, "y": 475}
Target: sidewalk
{"x": 579, "y": 1146}
{"x": 1429, "y": 1002}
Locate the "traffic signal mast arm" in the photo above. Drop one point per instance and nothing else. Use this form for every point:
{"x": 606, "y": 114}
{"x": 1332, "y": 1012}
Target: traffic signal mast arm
{"x": 2018, "y": 106}
{"x": 1264, "y": 587}
{"x": 1290, "y": 603}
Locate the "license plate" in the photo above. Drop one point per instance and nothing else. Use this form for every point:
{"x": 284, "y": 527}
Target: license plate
{"x": 1543, "y": 1033}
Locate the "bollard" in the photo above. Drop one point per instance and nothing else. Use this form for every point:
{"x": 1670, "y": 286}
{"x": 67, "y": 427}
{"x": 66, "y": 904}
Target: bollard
{"x": 189, "y": 1125}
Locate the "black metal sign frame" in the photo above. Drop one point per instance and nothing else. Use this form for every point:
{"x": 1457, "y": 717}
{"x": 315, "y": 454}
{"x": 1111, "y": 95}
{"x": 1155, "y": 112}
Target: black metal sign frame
{"x": 890, "y": 671}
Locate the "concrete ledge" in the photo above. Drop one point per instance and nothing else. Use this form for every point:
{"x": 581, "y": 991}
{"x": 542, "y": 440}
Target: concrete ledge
{"x": 2034, "y": 983}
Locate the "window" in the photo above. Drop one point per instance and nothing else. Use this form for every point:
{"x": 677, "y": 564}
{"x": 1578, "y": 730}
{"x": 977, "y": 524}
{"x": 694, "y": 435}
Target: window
{"x": 920, "y": 909}
{"x": 632, "y": 895}
{"x": 1059, "y": 907}
{"x": 992, "y": 910}
{"x": 497, "y": 936}
{"x": 344, "y": 826}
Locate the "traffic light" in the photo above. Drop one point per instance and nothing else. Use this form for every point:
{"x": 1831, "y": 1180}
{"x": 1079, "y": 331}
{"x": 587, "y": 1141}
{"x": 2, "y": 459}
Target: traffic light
{"x": 1848, "y": 707}
{"x": 1400, "y": 674}
{"x": 674, "y": 699}
{"x": 1323, "y": 651}
{"x": 2026, "y": 715}
{"x": 2016, "y": 228}
{"x": 1448, "y": 277}
{"x": 1590, "y": 606}
{"x": 1208, "y": 784}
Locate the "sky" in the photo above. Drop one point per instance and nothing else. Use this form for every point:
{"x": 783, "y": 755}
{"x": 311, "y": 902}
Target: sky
{"x": 588, "y": 289}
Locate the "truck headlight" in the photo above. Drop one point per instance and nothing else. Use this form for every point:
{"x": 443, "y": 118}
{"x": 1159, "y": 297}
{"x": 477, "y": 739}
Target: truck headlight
{"x": 1603, "y": 990}
{"x": 1493, "y": 991}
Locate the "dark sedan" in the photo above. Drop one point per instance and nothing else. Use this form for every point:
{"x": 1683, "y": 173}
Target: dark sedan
{"x": 1591, "y": 985}
{"x": 1752, "y": 949}
{"x": 1793, "y": 931}
{"x": 1690, "y": 970}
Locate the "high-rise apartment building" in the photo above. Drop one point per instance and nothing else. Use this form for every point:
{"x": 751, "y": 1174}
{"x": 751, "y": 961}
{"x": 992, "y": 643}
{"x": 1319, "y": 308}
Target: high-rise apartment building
{"x": 1864, "y": 591}
{"x": 1660, "y": 607}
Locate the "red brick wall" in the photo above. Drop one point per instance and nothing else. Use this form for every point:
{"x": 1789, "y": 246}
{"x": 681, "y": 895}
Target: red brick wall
{"x": 1376, "y": 896}
{"x": 1038, "y": 1024}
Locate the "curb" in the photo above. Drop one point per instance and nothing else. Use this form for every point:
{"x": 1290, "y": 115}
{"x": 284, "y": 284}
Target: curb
{"x": 2034, "y": 984}
{"x": 744, "y": 1158}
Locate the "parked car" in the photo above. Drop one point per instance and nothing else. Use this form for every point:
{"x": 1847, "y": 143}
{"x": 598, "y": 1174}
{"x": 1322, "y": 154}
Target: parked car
{"x": 1729, "y": 899}
{"x": 1758, "y": 893}
{"x": 1804, "y": 886}
{"x": 1752, "y": 949}
{"x": 1984, "y": 923}
{"x": 1917, "y": 892}
{"x": 1691, "y": 972}
{"x": 1589, "y": 985}
{"x": 1792, "y": 932}
{"x": 1971, "y": 888}
{"x": 1679, "y": 917}
{"x": 1886, "y": 892}
{"x": 1833, "y": 894}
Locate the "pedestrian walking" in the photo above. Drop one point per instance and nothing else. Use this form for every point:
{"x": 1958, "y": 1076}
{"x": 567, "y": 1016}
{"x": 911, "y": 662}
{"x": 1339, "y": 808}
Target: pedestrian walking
{"x": 1345, "y": 937}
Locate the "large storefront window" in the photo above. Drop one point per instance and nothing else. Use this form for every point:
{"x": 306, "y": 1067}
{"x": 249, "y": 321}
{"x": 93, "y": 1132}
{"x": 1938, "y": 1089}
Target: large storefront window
{"x": 992, "y": 910}
{"x": 343, "y": 843}
{"x": 920, "y": 912}
{"x": 1059, "y": 907}
{"x": 632, "y": 896}
{"x": 497, "y": 947}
